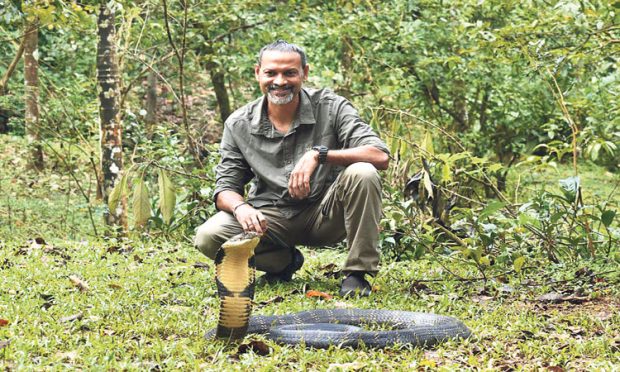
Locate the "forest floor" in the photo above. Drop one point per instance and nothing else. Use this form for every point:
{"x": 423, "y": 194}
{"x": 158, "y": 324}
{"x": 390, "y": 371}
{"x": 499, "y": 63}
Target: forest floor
{"x": 69, "y": 300}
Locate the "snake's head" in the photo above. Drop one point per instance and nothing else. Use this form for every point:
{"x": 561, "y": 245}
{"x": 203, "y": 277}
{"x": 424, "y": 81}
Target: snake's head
{"x": 242, "y": 239}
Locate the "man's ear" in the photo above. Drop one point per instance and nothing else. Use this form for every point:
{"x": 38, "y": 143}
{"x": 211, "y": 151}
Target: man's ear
{"x": 306, "y": 69}
{"x": 256, "y": 71}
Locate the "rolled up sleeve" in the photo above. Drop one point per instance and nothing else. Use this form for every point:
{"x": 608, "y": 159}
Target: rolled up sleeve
{"x": 352, "y": 130}
{"x": 233, "y": 172}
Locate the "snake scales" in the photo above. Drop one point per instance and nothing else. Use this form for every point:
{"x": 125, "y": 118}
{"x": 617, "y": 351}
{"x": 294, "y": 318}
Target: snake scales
{"x": 235, "y": 274}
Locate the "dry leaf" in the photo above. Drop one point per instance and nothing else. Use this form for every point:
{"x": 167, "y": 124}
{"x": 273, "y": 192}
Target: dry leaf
{"x": 3, "y": 322}
{"x": 272, "y": 300}
{"x": 258, "y": 347}
{"x": 82, "y": 285}
{"x": 323, "y": 295}
{"x": 108, "y": 332}
{"x": 72, "y": 318}
{"x": 70, "y": 355}
{"x": 354, "y": 366}
{"x": 201, "y": 265}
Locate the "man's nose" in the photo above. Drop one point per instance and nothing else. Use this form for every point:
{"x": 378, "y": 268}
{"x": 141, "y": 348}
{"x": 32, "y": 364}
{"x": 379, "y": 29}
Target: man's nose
{"x": 280, "y": 79}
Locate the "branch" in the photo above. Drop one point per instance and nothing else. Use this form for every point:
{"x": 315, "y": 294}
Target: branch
{"x": 235, "y": 29}
{"x": 12, "y": 66}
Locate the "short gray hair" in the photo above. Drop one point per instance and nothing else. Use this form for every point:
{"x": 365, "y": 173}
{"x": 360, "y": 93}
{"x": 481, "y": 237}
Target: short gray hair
{"x": 283, "y": 46}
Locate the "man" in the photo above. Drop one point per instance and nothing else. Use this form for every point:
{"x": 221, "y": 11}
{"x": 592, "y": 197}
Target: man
{"x": 313, "y": 163}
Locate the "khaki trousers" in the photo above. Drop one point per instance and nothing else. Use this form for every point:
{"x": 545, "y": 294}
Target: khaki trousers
{"x": 351, "y": 209}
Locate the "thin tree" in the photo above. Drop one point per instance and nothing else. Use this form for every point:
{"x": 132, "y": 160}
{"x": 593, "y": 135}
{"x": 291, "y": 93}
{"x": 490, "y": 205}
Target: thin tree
{"x": 111, "y": 126}
{"x": 31, "y": 94}
{"x": 151, "y": 103}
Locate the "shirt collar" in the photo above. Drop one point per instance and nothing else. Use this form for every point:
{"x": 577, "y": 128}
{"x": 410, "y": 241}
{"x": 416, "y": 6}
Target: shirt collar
{"x": 260, "y": 122}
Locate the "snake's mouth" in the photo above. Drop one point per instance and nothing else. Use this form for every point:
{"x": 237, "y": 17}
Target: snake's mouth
{"x": 241, "y": 239}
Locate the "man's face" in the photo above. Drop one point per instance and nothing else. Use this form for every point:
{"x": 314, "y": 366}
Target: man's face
{"x": 280, "y": 76}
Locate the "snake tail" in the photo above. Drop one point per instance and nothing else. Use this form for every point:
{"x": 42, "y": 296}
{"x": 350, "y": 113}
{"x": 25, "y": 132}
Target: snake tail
{"x": 235, "y": 276}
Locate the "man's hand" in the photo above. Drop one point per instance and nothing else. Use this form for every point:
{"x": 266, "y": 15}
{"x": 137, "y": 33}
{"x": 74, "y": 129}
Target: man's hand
{"x": 251, "y": 219}
{"x": 299, "y": 182}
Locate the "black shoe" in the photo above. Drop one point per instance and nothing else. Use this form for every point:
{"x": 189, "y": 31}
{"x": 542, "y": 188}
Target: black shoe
{"x": 285, "y": 275}
{"x": 355, "y": 285}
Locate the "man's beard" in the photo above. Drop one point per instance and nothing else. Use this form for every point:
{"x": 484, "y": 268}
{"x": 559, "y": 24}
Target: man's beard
{"x": 278, "y": 100}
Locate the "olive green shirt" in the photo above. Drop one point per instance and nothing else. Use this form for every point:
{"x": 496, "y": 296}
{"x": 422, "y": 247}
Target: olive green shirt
{"x": 253, "y": 150}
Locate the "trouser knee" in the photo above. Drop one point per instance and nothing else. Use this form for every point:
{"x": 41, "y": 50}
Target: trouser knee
{"x": 207, "y": 241}
{"x": 363, "y": 174}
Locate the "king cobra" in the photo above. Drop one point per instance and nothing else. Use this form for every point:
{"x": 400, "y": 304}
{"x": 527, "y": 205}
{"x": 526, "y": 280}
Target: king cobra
{"x": 235, "y": 274}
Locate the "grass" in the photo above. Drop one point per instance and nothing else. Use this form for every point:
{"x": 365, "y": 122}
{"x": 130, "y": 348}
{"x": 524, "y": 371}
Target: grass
{"x": 149, "y": 305}
{"x": 146, "y": 304}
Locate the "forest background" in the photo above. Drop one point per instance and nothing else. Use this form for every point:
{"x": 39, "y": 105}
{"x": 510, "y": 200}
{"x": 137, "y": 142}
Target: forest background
{"x": 502, "y": 117}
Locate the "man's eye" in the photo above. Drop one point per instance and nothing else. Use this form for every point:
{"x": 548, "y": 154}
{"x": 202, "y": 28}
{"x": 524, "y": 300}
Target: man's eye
{"x": 291, "y": 73}
{"x": 269, "y": 73}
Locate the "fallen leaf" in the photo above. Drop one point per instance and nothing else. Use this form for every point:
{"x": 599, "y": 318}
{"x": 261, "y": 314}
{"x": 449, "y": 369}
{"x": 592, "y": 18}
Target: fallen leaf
{"x": 418, "y": 287}
{"x": 115, "y": 286}
{"x": 70, "y": 355}
{"x": 554, "y": 297}
{"x": 49, "y": 300}
{"x": 39, "y": 240}
{"x": 505, "y": 288}
{"x": 342, "y": 305}
{"x": 525, "y": 335}
{"x": 82, "y": 285}
{"x": 615, "y": 345}
{"x": 108, "y": 332}
{"x": 354, "y": 366}
{"x": 201, "y": 265}
{"x": 255, "y": 346}
{"x": 555, "y": 369}
{"x": 479, "y": 299}
{"x": 331, "y": 271}
{"x": 3, "y": 322}
{"x": 313, "y": 293}
{"x": 272, "y": 300}
{"x": 72, "y": 318}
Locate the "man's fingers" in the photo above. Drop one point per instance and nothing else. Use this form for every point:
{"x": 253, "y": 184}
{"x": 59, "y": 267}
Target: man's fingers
{"x": 257, "y": 225}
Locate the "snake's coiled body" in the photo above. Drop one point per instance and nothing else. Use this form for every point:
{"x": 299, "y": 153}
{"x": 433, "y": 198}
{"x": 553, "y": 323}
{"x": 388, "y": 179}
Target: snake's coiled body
{"x": 317, "y": 328}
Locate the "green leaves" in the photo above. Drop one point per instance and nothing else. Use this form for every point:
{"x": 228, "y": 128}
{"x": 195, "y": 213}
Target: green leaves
{"x": 167, "y": 196}
{"x": 518, "y": 263}
{"x": 491, "y": 208}
{"x": 141, "y": 204}
{"x": 570, "y": 188}
{"x": 607, "y": 217}
{"x": 119, "y": 190}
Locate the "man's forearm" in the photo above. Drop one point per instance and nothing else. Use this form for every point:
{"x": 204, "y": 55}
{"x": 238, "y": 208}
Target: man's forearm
{"x": 227, "y": 200}
{"x": 367, "y": 154}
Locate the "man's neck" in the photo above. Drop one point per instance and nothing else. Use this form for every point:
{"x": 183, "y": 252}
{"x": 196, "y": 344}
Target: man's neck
{"x": 282, "y": 116}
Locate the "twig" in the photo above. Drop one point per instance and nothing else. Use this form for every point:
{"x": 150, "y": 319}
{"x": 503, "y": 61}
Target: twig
{"x": 181, "y": 59}
{"x": 200, "y": 177}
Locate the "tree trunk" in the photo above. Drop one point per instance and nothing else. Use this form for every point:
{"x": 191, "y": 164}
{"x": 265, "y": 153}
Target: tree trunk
{"x": 111, "y": 127}
{"x": 31, "y": 69}
{"x": 460, "y": 119}
{"x": 219, "y": 83}
{"x": 346, "y": 62}
{"x": 219, "y": 86}
{"x": 151, "y": 103}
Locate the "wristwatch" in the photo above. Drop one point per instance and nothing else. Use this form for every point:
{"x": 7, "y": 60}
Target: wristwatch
{"x": 322, "y": 150}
